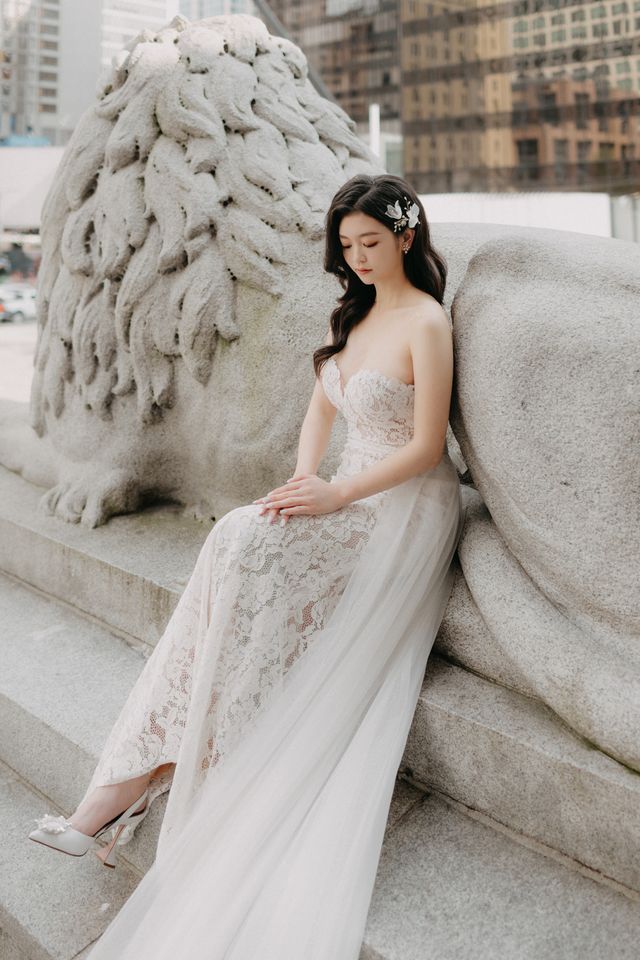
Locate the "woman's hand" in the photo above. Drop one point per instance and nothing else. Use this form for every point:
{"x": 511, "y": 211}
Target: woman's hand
{"x": 304, "y": 493}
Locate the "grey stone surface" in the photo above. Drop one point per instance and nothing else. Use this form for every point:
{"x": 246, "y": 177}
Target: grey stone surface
{"x": 547, "y": 357}
{"x": 512, "y": 758}
{"x": 63, "y": 682}
{"x": 452, "y": 888}
{"x": 128, "y": 573}
{"x": 483, "y": 744}
{"x": 9, "y": 950}
{"x": 181, "y": 281}
{"x": 52, "y": 906}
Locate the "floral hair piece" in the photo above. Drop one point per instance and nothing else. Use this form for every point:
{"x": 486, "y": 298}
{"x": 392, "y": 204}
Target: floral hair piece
{"x": 403, "y": 218}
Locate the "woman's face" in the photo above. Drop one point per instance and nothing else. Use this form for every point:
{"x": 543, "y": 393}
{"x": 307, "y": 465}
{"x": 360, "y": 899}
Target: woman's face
{"x": 370, "y": 249}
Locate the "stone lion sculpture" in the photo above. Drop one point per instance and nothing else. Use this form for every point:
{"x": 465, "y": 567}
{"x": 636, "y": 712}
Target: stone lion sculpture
{"x": 181, "y": 294}
{"x": 546, "y": 410}
{"x": 181, "y": 288}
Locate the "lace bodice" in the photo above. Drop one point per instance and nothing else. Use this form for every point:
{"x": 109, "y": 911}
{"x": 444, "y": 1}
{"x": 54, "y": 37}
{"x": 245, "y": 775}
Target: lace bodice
{"x": 378, "y": 410}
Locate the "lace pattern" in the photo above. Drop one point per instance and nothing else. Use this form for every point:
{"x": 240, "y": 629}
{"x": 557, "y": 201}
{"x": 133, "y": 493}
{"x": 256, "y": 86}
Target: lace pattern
{"x": 258, "y": 593}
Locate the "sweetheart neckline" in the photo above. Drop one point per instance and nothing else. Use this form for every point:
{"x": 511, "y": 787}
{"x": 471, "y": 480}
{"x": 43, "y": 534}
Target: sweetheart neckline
{"x": 385, "y": 376}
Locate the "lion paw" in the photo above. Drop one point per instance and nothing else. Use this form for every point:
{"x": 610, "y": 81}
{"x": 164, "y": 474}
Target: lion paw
{"x": 91, "y": 498}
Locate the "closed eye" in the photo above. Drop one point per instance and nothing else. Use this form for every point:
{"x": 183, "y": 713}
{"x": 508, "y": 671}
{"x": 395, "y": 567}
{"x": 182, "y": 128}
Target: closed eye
{"x": 364, "y": 245}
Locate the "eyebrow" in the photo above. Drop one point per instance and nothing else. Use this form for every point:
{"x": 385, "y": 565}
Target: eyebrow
{"x": 370, "y": 233}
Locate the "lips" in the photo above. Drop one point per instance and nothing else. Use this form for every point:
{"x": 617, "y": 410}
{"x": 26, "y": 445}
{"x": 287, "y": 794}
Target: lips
{"x": 368, "y": 270}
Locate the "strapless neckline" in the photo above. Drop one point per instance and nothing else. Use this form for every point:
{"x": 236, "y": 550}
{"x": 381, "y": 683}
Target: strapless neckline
{"x": 371, "y": 372}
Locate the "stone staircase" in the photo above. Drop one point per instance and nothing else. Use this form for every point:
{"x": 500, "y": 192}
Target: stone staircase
{"x": 508, "y": 836}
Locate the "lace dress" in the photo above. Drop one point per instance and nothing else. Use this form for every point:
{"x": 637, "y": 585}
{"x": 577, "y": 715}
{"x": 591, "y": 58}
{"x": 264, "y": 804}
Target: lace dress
{"x": 322, "y": 630}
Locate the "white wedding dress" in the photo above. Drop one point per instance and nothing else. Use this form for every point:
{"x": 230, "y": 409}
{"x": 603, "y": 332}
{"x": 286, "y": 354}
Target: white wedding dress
{"x": 283, "y": 689}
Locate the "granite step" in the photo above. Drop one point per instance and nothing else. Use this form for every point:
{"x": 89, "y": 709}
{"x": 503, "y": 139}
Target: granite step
{"x": 489, "y": 747}
{"x": 64, "y": 681}
{"x": 449, "y": 885}
{"x": 510, "y": 756}
{"x": 52, "y": 906}
{"x": 128, "y": 573}
{"x": 452, "y": 885}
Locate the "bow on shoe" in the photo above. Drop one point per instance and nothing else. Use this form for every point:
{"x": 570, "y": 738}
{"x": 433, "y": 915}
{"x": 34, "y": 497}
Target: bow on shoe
{"x": 51, "y": 824}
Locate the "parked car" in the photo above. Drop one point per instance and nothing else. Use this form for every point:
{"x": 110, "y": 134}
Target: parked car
{"x": 17, "y": 302}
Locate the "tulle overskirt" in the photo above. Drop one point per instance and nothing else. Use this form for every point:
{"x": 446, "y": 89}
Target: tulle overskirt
{"x": 278, "y": 847}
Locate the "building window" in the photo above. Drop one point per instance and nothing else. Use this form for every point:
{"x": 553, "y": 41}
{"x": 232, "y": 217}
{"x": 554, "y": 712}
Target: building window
{"x": 527, "y": 159}
{"x": 582, "y": 111}
{"x": 549, "y": 108}
{"x": 561, "y": 151}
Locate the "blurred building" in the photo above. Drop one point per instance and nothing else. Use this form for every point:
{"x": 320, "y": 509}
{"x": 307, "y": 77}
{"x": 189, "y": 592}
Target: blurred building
{"x": 486, "y": 95}
{"x": 527, "y": 94}
{"x": 52, "y": 53}
{"x": 354, "y": 45}
{"x": 198, "y": 9}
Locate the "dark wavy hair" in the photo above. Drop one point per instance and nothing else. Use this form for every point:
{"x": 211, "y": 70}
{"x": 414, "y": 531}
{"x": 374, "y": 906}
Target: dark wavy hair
{"x": 423, "y": 265}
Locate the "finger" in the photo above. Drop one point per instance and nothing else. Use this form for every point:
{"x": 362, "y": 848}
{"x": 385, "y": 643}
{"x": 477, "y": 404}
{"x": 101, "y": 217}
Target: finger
{"x": 280, "y": 498}
{"x": 293, "y": 511}
{"x": 290, "y": 502}
{"x": 292, "y": 482}
{"x": 282, "y": 491}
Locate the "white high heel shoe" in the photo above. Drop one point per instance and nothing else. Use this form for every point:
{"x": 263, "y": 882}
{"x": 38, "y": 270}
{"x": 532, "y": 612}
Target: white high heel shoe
{"x": 57, "y": 833}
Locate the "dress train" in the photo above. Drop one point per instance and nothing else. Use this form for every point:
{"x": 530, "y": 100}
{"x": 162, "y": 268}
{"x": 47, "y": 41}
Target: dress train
{"x": 288, "y": 719}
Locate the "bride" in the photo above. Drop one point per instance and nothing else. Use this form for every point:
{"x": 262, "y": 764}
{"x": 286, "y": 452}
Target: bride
{"x": 276, "y": 706}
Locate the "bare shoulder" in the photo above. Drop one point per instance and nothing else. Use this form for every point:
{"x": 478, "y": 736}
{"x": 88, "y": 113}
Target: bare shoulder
{"x": 429, "y": 318}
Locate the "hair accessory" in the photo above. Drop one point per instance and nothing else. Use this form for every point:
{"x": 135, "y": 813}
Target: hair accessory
{"x": 403, "y": 218}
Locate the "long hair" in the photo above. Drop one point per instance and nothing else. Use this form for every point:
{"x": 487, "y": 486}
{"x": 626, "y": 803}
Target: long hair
{"x": 423, "y": 265}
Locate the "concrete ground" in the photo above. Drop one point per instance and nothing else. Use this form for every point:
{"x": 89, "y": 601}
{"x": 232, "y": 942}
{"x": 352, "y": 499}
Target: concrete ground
{"x": 17, "y": 349}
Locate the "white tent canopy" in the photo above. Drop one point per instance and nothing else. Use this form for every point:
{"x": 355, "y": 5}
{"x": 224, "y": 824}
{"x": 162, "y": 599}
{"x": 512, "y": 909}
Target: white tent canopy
{"x": 26, "y": 174}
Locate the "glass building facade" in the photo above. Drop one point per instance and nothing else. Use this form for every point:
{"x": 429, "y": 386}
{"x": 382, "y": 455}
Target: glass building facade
{"x": 488, "y": 96}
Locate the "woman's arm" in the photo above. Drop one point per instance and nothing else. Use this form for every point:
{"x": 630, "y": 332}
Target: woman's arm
{"x": 431, "y": 347}
{"x": 316, "y": 428}
{"x": 312, "y": 444}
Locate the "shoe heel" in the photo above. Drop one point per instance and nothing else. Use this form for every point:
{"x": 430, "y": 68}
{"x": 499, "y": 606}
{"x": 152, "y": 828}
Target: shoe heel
{"x": 108, "y": 854}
